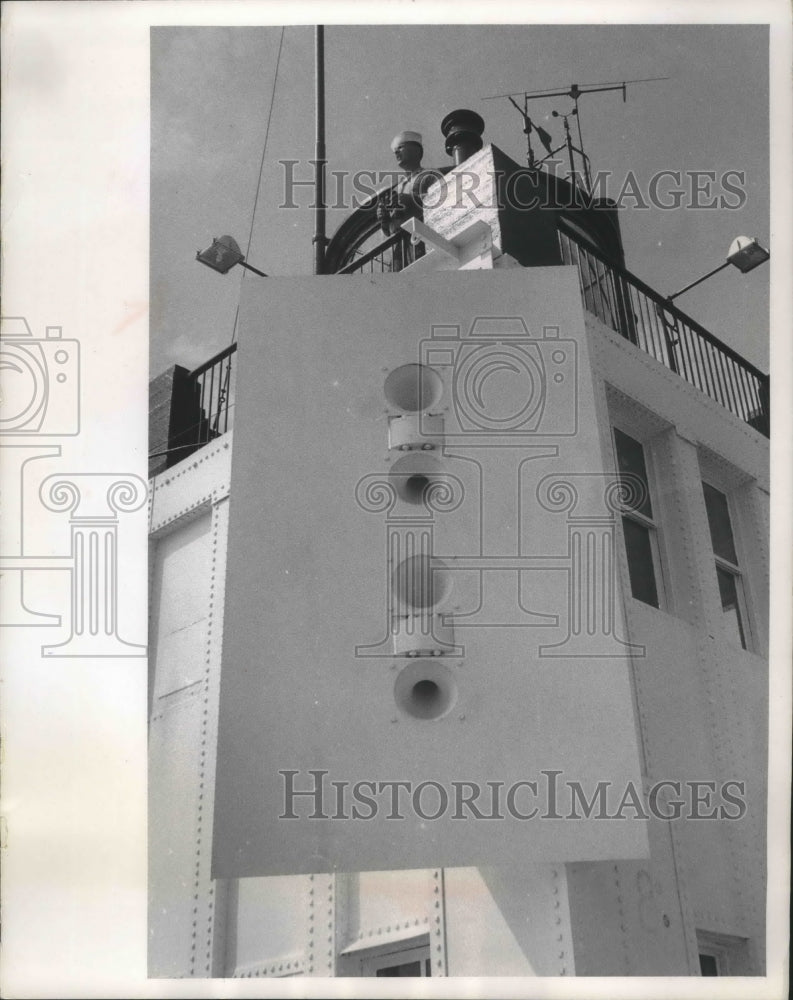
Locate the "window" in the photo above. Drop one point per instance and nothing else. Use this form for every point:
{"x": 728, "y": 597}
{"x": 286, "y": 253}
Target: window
{"x": 638, "y": 524}
{"x": 410, "y": 962}
{"x": 728, "y": 574}
{"x": 413, "y": 969}
{"x": 723, "y": 954}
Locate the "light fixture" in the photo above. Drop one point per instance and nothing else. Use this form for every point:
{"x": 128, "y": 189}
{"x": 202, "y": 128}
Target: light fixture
{"x": 225, "y": 254}
{"x": 745, "y": 253}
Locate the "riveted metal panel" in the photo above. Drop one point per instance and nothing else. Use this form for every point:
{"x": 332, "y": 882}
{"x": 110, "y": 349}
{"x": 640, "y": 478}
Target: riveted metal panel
{"x": 508, "y": 921}
{"x": 185, "y": 491}
{"x": 267, "y": 926}
{"x": 187, "y": 907}
{"x": 173, "y": 790}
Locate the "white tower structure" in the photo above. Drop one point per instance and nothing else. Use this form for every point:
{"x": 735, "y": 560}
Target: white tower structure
{"x": 506, "y": 527}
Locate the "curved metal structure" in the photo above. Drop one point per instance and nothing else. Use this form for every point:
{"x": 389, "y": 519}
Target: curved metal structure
{"x": 348, "y": 240}
{"x": 594, "y": 220}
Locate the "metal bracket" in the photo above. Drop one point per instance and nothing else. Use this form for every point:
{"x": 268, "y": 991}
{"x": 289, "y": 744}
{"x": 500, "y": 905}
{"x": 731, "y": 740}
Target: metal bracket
{"x": 469, "y": 243}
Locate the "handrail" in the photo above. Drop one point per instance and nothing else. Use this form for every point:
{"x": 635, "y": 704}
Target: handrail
{"x": 659, "y": 299}
{"x": 666, "y": 333}
{"x": 618, "y": 298}
{"x": 213, "y": 395}
{"x": 215, "y": 359}
{"x": 361, "y": 262}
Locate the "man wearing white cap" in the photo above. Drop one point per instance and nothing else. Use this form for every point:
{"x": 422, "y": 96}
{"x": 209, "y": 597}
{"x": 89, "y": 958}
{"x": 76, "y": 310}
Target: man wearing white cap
{"x": 408, "y": 149}
{"x": 404, "y": 200}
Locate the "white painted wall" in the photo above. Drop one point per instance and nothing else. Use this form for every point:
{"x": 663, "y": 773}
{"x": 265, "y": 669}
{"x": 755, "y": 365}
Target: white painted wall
{"x": 701, "y": 707}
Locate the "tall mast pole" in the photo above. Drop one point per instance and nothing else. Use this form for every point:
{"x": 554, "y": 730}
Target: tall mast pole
{"x": 319, "y": 152}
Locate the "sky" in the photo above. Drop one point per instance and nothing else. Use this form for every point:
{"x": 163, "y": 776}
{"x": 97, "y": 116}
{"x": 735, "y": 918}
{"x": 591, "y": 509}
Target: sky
{"x": 213, "y": 89}
{"x": 75, "y": 211}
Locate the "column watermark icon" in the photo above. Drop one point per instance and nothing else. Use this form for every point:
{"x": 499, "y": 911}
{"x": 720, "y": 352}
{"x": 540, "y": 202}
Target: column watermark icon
{"x": 41, "y": 404}
{"x": 468, "y": 425}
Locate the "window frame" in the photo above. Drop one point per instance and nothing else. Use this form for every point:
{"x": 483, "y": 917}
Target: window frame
{"x": 729, "y": 952}
{"x": 726, "y": 566}
{"x": 396, "y": 954}
{"x": 651, "y": 524}
{"x": 716, "y": 954}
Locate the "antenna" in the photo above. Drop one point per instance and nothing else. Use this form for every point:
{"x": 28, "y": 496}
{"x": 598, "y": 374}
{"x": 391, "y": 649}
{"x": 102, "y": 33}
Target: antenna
{"x": 574, "y": 91}
{"x": 564, "y": 91}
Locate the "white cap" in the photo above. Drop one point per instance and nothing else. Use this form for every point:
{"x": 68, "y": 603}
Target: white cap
{"x": 405, "y": 137}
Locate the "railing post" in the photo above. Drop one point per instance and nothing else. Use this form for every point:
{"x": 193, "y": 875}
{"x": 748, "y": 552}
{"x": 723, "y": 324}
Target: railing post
{"x": 625, "y": 316}
{"x": 670, "y": 343}
{"x": 764, "y": 394}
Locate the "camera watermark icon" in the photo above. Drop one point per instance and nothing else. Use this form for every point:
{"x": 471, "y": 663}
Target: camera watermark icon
{"x": 505, "y": 382}
{"x": 40, "y": 379}
{"x": 473, "y": 426}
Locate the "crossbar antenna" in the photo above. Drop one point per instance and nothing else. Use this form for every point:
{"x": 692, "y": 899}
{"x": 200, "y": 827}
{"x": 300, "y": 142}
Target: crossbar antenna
{"x": 565, "y": 91}
{"x": 574, "y": 92}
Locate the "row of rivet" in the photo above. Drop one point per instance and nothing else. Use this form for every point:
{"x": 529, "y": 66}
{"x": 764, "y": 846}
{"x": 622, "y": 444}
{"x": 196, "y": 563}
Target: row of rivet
{"x": 321, "y": 951}
{"x": 387, "y": 929}
{"x": 157, "y": 485}
{"x": 282, "y": 968}
{"x": 626, "y": 951}
{"x": 438, "y": 928}
{"x": 560, "y": 937}
{"x": 201, "y": 879}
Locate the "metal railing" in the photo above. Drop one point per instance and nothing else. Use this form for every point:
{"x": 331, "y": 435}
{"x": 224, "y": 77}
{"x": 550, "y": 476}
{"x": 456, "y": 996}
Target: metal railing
{"x": 215, "y": 388}
{"x": 617, "y": 298}
{"x": 637, "y": 312}
{"x": 390, "y": 256}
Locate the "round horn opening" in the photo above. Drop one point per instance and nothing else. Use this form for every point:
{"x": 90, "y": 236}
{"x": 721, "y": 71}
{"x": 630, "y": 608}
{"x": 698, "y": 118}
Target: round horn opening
{"x": 425, "y": 689}
{"x": 413, "y": 475}
{"x": 412, "y": 388}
